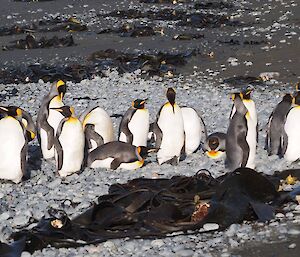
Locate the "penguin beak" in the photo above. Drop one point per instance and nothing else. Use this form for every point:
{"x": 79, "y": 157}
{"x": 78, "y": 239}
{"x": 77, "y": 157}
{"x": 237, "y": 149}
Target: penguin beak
{"x": 213, "y": 154}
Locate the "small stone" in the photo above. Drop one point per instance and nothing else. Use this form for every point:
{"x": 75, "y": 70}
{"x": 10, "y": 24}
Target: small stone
{"x": 20, "y": 220}
{"x": 292, "y": 246}
{"x": 185, "y": 253}
{"x": 25, "y": 254}
{"x": 1, "y": 195}
{"x": 279, "y": 215}
{"x": 210, "y": 226}
{"x": 4, "y": 216}
{"x": 157, "y": 243}
{"x": 294, "y": 232}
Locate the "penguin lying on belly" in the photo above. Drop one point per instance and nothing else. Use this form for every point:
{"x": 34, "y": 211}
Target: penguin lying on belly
{"x": 134, "y": 126}
{"x": 15, "y": 132}
{"x": 69, "y": 143}
{"x": 117, "y": 154}
{"x": 214, "y": 146}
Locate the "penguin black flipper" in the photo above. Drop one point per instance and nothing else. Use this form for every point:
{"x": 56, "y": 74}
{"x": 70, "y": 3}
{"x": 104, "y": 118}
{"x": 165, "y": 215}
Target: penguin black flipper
{"x": 263, "y": 211}
{"x": 283, "y": 144}
{"x": 242, "y": 142}
{"x": 91, "y": 134}
{"x": 23, "y": 160}
{"x": 204, "y": 131}
{"x": 50, "y": 132}
{"x": 158, "y": 134}
{"x": 115, "y": 163}
{"x": 58, "y": 146}
{"x": 124, "y": 125}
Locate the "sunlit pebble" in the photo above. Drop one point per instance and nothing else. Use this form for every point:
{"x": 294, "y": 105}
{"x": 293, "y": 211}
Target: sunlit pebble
{"x": 282, "y": 41}
{"x": 268, "y": 63}
{"x": 292, "y": 246}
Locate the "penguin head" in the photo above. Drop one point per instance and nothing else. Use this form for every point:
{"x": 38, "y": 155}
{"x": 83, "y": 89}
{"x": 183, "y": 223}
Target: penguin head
{"x": 238, "y": 103}
{"x": 171, "y": 94}
{"x": 66, "y": 111}
{"x": 61, "y": 88}
{"x": 296, "y": 99}
{"x": 143, "y": 151}
{"x": 139, "y": 103}
{"x": 213, "y": 143}
{"x": 288, "y": 98}
{"x": 246, "y": 93}
{"x": 12, "y": 111}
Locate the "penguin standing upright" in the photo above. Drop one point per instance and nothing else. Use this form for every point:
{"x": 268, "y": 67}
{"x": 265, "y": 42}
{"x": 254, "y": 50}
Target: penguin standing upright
{"x": 214, "y": 146}
{"x": 237, "y": 148}
{"x": 194, "y": 129}
{"x": 292, "y": 127}
{"x": 69, "y": 143}
{"x": 49, "y": 119}
{"x": 98, "y": 127}
{"x": 276, "y": 137}
{"x": 116, "y": 155}
{"x": 252, "y": 125}
{"x": 169, "y": 131}
{"x": 13, "y": 147}
{"x": 134, "y": 126}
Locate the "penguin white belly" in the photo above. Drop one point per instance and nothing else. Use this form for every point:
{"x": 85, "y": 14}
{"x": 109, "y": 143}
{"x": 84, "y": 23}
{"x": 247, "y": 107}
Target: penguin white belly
{"x": 107, "y": 162}
{"x": 139, "y": 127}
{"x": 192, "y": 129}
{"x": 171, "y": 125}
{"x": 72, "y": 142}
{"x": 292, "y": 128}
{"x": 12, "y": 141}
{"x": 251, "y": 140}
{"x": 54, "y": 119}
{"x": 102, "y": 163}
{"x": 105, "y": 130}
{"x": 250, "y": 105}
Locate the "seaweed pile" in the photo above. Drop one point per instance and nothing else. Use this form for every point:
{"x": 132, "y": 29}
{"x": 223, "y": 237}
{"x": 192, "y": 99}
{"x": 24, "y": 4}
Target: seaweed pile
{"x": 46, "y": 25}
{"x": 30, "y": 42}
{"x": 128, "y": 30}
{"x": 48, "y": 73}
{"x": 152, "y": 208}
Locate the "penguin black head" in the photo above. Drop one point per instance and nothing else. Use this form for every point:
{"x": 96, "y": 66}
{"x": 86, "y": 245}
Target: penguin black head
{"x": 171, "y": 94}
{"x": 246, "y": 94}
{"x": 213, "y": 143}
{"x": 66, "y": 111}
{"x": 297, "y": 98}
{"x": 143, "y": 151}
{"x": 139, "y": 103}
{"x": 61, "y": 88}
{"x": 288, "y": 98}
{"x": 13, "y": 111}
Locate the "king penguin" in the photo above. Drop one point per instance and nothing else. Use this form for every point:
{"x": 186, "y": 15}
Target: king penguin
{"x": 49, "y": 119}
{"x": 116, "y": 154}
{"x": 98, "y": 127}
{"x": 292, "y": 128}
{"x": 169, "y": 131}
{"x": 237, "y": 148}
{"x": 252, "y": 125}
{"x": 26, "y": 120}
{"x": 13, "y": 147}
{"x": 134, "y": 126}
{"x": 69, "y": 143}
{"x": 276, "y": 139}
{"x": 194, "y": 129}
{"x": 214, "y": 146}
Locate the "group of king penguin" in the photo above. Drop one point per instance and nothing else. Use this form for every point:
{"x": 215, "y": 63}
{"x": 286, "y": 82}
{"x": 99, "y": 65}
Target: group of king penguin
{"x": 88, "y": 141}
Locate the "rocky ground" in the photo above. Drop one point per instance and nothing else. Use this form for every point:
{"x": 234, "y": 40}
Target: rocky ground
{"x": 198, "y": 83}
